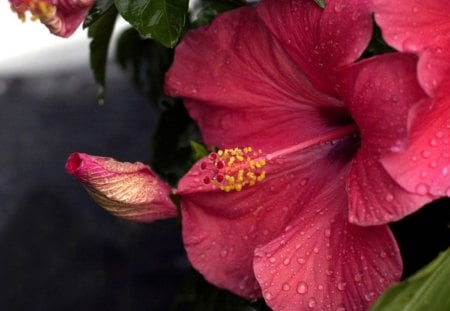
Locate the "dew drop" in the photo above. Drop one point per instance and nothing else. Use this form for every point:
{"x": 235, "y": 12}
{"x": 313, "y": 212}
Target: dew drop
{"x": 422, "y": 189}
{"x": 301, "y": 260}
{"x": 383, "y": 254}
{"x": 433, "y": 142}
{"x": 287, "y": 261}
{"x": 340, "y": 308}
{"x": 426, "y": 154}
{"x": 341, "y": 286}
{"x": 357, "y": 277}
{"x": 320, "y": 287}
{"x": 272, "y": 260}
{"x": 312, "y": 302}
{"x": 439, "y": 134}
{"x": 223, "y": 253}
{"x": 315, "y": 250}
{"x": 268, "y": 296}
{"x": 302, "y": 288}
{"x": 389, "y": 197}
{"x": 286, "y": 287}
{"x": 327, "y": 233}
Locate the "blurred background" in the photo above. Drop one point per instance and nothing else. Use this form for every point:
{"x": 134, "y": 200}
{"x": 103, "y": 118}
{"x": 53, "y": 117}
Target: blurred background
{"x": 58, "y": 249}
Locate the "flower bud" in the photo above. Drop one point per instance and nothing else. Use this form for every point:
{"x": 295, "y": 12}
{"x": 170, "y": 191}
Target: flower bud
{"x": 127, "y": 190}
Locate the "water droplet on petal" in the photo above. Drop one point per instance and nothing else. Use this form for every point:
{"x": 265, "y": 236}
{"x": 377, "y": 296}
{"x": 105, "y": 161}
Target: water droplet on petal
{"x": 340, "y": 308}
{"x": 286, "y": 287}
{"x": 302, "y": 288}
{"x": 422, "y": 189}
{"x": 389, "y": 197}
{"x": 287, "y": 261}
{"x": 312, "y": 302}
{"x": 223, "y": 253}
{"x": 426, "y": 154}
{"x": 357, "y": 277}
{"x": 327, "y": 233}
{"x": 301, "y": 260}
{"x": 341, "y": 286}
{"x": 268, "y": 296}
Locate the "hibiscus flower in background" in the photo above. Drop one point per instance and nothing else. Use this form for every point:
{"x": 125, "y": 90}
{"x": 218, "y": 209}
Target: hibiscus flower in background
{"x": 425, "y": 31}
{"x": 62, "y": 17}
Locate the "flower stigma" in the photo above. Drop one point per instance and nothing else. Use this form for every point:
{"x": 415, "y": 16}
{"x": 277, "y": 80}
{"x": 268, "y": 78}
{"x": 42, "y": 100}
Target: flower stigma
{"x": 234, "y": 169}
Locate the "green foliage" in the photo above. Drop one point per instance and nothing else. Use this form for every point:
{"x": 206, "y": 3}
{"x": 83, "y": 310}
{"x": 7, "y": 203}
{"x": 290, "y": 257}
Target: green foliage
{"x": 198, "y": 151}
{"x": 320, "y": 3}
{"x": 377, "y": 44}
{"x": 426, "y": 290}
{"x": 208, "y": 9}
{"x": 99, "y": 8}
{"x": 145, "y": 61}
{"x": 199, "y": 295}
{"x": 161, "y": 20}
{"x": 171, "y": 144}
{"x": 100, "y": 32}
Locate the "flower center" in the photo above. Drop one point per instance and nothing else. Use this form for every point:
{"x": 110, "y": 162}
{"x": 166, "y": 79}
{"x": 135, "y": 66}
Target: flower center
{"x": 234, "y": 169}
{"x": 43, "y": 10}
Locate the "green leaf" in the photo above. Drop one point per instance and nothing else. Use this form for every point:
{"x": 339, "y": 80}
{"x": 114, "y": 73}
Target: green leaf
{"x": 208, "y": 9}
{"x": 145, "y": 61}
{"x": 161, "y": 20}
{"x": 99, "y": 8}
{"x": 377, "y": 44}
{"x": 320, "y": 3}
{"x": 428, "y": 289}
{"x": 198, "y": 151}
{"x": 100, "y": 32}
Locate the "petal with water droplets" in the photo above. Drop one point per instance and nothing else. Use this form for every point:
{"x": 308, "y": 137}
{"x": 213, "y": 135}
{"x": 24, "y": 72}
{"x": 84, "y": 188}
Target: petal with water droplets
{"x": 411, "y": 25}
{"x": 240, "y": 85}
{"x": 320, "y": 41}
{"x": 333, "y": 264}
{"x": 423, "y": 166}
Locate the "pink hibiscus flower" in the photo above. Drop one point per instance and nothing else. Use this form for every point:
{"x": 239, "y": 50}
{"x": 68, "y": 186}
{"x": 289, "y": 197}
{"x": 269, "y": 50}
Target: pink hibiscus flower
{"x": 62, "y": 17}
{"x": 425, "y": 31}
{"x": 302, "y": 130}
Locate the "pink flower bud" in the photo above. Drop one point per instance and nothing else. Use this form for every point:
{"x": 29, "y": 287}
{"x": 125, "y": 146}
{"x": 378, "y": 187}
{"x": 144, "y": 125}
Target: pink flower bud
{"x": 128, "y": 190}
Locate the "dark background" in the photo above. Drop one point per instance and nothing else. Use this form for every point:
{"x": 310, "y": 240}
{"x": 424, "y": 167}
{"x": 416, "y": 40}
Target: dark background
{"x": 58, "y": 249}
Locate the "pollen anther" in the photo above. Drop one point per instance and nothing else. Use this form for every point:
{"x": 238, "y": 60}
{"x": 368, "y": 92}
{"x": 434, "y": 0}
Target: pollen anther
{"x": 235, "y": 169}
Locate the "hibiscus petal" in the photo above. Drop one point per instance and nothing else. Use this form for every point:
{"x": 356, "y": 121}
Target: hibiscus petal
{"x": 434, "y": 67}
{"x": 424, "y": 166}
{"x": 323, "y": 262}
{"x": 221, "y": 230}
{"x": 411, "y": 25}
{"x": 320, "y": 41}
{"x": 379, "y": 93}
{"x": 376, "y": 198}
{"x": 127, "y": 190}
{"x": 71, "y": 14}
{"x": 240, "y": 85}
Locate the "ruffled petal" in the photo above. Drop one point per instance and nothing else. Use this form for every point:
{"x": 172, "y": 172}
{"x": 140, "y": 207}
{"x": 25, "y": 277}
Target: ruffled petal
{"x": 434, "y": 67}
{"x": 221, "y": 230}
{"x": 379, "y": 93}
{"x": 323, "y": 262}
{"x": 411, "y": 25}
{"x": 424, "y": 166}
{"x": 374, "y": 196}
{"x": 127, "y": 190}
{"x": 240, "y": 86}
{"x": 320, "y": 41}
